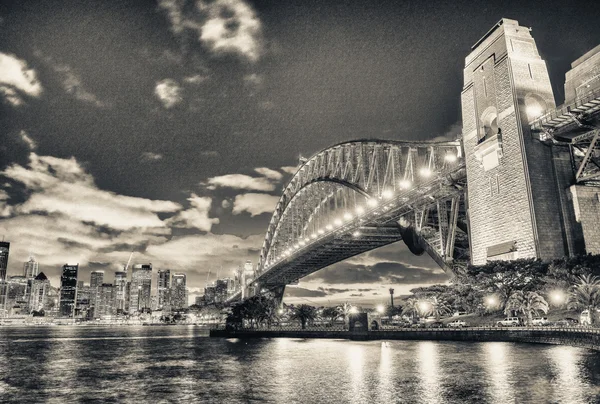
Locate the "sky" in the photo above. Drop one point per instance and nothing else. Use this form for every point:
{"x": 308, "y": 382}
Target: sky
{"x": 170, "y": 128}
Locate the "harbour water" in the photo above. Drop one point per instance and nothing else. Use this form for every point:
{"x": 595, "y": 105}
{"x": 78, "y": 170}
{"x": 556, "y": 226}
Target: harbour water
{"x": 182, "y": 364}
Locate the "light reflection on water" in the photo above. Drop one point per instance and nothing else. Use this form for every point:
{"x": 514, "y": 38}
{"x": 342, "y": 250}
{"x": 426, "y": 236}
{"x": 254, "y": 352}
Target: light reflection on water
{"x": 180, "y": 364}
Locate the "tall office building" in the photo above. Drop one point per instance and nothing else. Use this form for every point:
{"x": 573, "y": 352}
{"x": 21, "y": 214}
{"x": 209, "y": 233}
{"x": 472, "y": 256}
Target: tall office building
{"x": 120, "y": 291}
{"x": 105, "y": 302}
{"x": 141, "y": 287}
{"x": 222, "y": 289}
{"x": 4, "y": 248}
{"x": 68, "y": 290}
{"x": 38, "y": 298}
{"x": 178, "y": 292}
{"x": 31, "y": 268}
{"x": 164, "y": 283}
{"x": 96, "y": 280}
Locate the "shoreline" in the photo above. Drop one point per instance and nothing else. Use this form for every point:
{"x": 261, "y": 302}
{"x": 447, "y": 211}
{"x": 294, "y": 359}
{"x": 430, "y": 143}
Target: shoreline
{"x": 580, "y": 337}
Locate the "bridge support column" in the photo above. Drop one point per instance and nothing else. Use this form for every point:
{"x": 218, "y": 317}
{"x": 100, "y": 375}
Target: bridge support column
{"x": 278, "y": 294}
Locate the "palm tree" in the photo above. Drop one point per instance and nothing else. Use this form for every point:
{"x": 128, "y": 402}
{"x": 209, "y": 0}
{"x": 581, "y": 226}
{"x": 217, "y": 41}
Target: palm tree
{"x": 345, "y": 310}
{"x": 411, "y": 308}
{"x": 331, "y": 314}
{"x": 527, "y": 303}
{"x": 585, "y": 294}
{"x": 439, "y": 307}
{"x": 304, "y": 313}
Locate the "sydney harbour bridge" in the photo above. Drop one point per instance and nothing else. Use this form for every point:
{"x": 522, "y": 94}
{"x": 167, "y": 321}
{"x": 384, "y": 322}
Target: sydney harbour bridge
{"x": 516, "y": 146}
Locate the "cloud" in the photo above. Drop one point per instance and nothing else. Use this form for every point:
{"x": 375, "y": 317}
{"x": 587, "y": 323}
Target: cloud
{"x": 241, "y": 181}
{"x": 222, "y": 26}
{"x": 195, "y": 79}
{"x": 381, "y": 272}
{"x": 198, "y": 253}
{"x": 268, "y": 173}
{"x": 17, "y": 80}
{"x": 61, "y": 186}
{"x": 73, "y": 85}
{"x": 197, "y": 216}
{"x": 225, "y": 204}
{"x": 168, "y": 92}
{"x": 150, "y": 156}
{"x": 29, "y": 141}
{"x": 296, "y": 291}
{"x": 254, "y": 80}
{"x": 289, "y": 169}
{"x": 254, "y": 203}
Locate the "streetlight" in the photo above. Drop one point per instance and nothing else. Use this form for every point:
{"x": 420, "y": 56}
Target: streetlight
{"x": 353, "y": 310}
{"x": 360, "y": 210}
{"x": 356, "y": 233}
{"x": 424, "y": 307}
{"x": 347, "y": 216}
{"x": 387, "y": 194}
{"x": 372, "y": 202}
{"x": 425, "y": 172}
{"x": 405, "y": 184}
{"x": 381, "y": 309}
{"x": 557, "y": 297}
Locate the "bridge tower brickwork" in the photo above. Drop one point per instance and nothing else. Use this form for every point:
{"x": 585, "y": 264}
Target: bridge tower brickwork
{"x": 513, "y": 206}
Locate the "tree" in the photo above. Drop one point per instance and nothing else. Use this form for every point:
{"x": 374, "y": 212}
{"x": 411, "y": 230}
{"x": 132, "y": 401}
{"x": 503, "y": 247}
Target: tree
{"x": 439, "y": 307}
{"x": 391, "y": 311}
{"x": 304, "y": 313}
{"x": 331, "y": 314}
{"x": 585, "y": 294}
{"x": 345, "y": 309}
{"x": 528, "y": 303}
{"x": 411, "y": 308}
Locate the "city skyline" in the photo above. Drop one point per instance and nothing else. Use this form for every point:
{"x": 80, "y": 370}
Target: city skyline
{"x": 179, "y": 146}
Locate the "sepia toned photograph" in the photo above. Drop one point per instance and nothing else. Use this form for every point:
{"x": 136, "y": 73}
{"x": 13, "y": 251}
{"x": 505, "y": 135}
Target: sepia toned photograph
{"x": 299, "y": 202}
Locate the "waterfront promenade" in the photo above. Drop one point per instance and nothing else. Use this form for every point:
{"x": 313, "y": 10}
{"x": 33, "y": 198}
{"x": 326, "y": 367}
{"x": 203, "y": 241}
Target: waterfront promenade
{"x": 576, "y": 336}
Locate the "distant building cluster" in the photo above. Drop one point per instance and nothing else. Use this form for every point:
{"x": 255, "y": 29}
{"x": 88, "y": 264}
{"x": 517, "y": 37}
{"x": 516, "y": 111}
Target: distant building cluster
{"x": 219, "y": 291}
{"x": 32, "y": 293}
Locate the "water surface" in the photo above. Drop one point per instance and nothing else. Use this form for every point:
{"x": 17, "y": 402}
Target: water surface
{"x": 181, "y": 364}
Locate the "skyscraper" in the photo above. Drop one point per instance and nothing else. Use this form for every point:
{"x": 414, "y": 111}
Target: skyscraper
{"x": 4, "y": 247}
{"x": 178, "y": 291}
{"x": 68, "y": 290}
{"x": 39, "y": 292}
{"x": 105, "y": 302}
{"x": 164, "y": 282}
{"x": 31, "y": 268}
{"x": 96, "y": 280}
{"x": 120, "y": 291}
{"x": 141, "y": 287}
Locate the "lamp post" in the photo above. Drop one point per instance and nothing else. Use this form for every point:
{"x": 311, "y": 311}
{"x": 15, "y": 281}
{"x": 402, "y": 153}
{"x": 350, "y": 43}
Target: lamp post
{"x": 392, "y": 296}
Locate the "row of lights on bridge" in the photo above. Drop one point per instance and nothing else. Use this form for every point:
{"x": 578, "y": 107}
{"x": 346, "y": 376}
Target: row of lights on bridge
{"x": 405, "y": 184}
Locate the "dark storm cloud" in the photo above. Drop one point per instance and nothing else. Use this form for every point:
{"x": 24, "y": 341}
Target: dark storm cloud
{"x": 383, "y": 272}
{"x": 302, "y": 292}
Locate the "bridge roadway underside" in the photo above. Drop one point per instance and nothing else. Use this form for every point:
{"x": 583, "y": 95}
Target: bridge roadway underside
{"x": 332, "y": 249}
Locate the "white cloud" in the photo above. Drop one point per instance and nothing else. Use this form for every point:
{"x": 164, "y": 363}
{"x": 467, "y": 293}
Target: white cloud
{"x": 61, "y": 186}
{"x": 195, "y": 79}
{"x": 255, "y": 204}
{"x": 73, "y": 85}
{"x": 223, "y": 26}
{"x": 150, "y": 156}
{"x": 16, "y": 79}
{"x": 225, "y": 204}
{"x": 196, "y": 216}
{"x": 203, "y": 251}
{"x": 289, "y": 169}
{"x": 29, "y": 141}
{"x": 253, "y": 79}
{"x": 168, "y": 92}
{"x": 241, "y": 181}
{"x": 268, "y": 173}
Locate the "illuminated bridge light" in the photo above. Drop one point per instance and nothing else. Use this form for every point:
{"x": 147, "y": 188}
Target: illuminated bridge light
{"x": 356, "y": 233}
{"x": 372, "y": 202}
{"x": 450, "y": 157}
{"x": 405, "y": 184}
{"x": 329, "y": 227}
{"x": 337, "y": 222}
{"x": 387, "y": 194}
{"x": 307, "y": 240}
{"x": 314, "y": 235}
{"x": 347, "y": 216}
{"x": 425, "y": 172}
{"x": 321, "y": 231}
{"x": 360, "y": 210}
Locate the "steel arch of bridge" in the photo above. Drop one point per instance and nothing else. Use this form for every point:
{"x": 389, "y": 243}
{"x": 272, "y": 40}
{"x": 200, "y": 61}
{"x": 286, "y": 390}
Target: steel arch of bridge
{"x": 360, "y": 195}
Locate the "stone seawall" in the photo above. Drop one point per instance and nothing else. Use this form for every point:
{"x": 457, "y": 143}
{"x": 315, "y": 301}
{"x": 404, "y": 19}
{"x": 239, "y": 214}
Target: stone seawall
{"x": 581, "y": 337}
